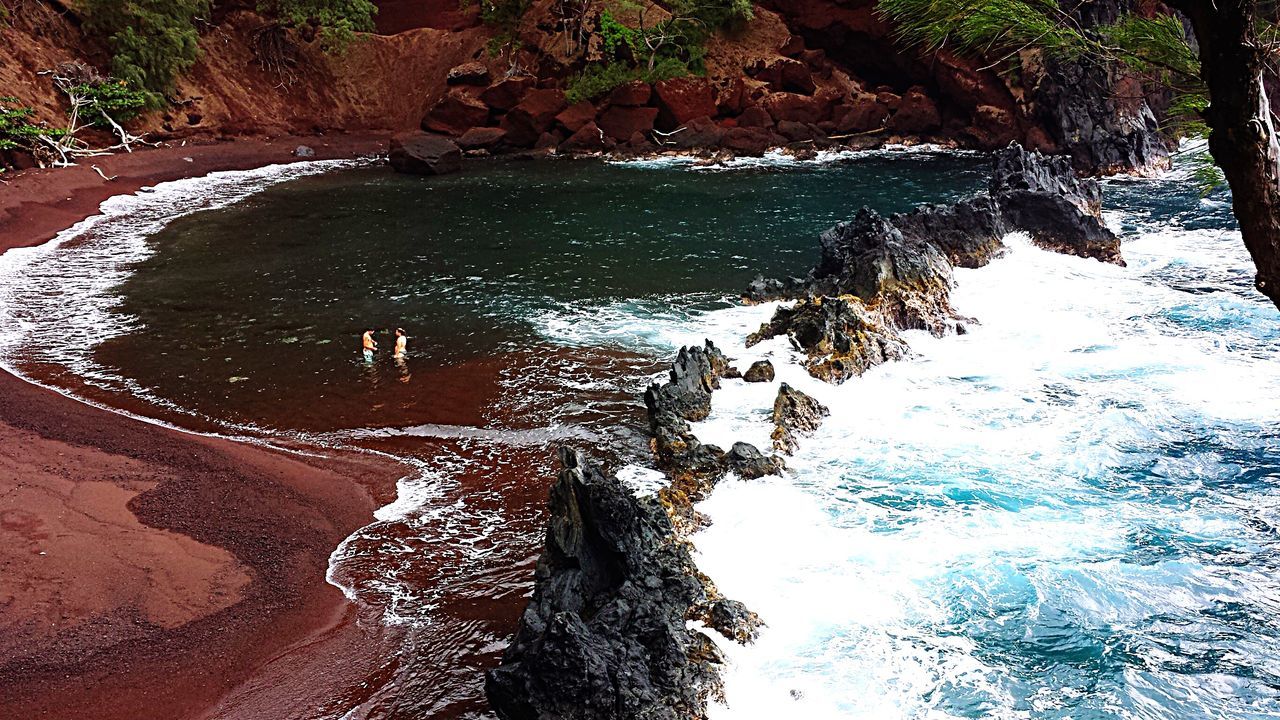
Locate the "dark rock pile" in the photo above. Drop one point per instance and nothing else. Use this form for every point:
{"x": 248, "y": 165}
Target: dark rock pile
{"x": 685, "y": 398}
{"x": 878, "y": 276}
{"x": 605, "y": 634}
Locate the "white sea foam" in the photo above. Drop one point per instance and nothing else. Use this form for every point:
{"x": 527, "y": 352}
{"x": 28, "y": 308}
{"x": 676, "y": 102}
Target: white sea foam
{"x": 780, "y": 159}
{"x": 985, "y": 486}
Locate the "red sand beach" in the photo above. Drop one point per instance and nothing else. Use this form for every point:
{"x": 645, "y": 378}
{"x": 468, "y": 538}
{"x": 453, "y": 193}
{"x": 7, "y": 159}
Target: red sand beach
{"x": 150, "y": 573}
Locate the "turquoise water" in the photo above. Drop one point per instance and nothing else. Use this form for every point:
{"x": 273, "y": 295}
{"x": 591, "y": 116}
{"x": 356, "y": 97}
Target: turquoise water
{"x": 1070, "y": 512}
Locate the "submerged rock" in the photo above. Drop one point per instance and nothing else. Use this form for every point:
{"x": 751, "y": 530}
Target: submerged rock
{"x": 760, "y": 371}
{"x": 423, "y": 154}
{"x": 605, "y": 634}
{"x": 794, "y": 413}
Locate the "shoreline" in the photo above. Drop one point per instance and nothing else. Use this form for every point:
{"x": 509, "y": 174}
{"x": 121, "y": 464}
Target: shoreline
{"x": 162, "y": 573}
{"x": 37, "y": 204}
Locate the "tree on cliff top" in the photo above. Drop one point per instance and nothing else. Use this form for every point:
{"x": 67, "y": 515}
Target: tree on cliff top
{"x": 1218, "y": 83}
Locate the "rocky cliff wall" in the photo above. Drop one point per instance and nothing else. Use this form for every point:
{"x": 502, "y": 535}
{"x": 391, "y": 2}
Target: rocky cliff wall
{"x": 803, "y": 74}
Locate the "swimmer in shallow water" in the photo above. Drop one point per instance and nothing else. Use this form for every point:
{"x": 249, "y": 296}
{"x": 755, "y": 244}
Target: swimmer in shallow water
{"x": 402, "y": 344}
{"x": 368, "y": 344}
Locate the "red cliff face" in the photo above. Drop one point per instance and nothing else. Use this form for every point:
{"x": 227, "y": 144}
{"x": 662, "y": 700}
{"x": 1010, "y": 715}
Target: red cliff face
{"x": 803, "y": 73}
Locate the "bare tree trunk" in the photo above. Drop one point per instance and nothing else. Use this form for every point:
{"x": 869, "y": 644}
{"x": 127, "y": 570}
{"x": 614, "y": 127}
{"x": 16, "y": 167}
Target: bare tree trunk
{"x": 1243, "y": 136}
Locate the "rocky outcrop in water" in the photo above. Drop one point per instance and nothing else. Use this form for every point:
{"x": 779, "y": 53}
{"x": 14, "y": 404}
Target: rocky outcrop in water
{"x": 605, "y": 634}
{"x": 969, "y": 233}
{"x": 907, "y": 277}
{"x": 878, "y": 276}
{"x": 760, "y": 371}
{"x": 1061, "y": 211}
{"x": 685, "y": 398}
{"x": 794, "y": 413}
{"x": 839, "y": 335}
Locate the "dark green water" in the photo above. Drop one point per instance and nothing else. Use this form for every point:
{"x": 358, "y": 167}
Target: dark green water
{"x": 246, "y": 310}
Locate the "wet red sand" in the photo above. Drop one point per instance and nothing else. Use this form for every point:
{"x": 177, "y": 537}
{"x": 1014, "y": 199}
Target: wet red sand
{"x": 150, "y": 573}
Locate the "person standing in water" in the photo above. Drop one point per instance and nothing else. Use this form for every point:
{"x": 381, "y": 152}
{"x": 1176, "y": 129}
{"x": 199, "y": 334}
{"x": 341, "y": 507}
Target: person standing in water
{"x": 368, "y": 344}
{"x": 402, "y": 342}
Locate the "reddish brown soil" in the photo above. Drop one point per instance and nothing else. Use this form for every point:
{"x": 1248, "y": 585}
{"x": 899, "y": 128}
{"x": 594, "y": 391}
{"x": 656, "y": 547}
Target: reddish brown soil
{"x": 151, "y": 573}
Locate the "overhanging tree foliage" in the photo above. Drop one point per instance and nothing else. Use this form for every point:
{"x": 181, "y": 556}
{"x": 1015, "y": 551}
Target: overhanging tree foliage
{"x": 1218, "y": 83}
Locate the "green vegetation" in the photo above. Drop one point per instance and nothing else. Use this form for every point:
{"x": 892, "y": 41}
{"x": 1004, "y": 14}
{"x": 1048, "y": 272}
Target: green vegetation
{"x": 672, "y": 46}
{"x": 617, "y": 36}
{"x": 1156, "y": 48}
{"x": 104, "y": 100}
{"x": 503, "y": 14}
{"x": 336, "y": 21}
{"x": 152, "y": 41}
{"x": 596, "y": 80}
{"x": 17, "y": 132}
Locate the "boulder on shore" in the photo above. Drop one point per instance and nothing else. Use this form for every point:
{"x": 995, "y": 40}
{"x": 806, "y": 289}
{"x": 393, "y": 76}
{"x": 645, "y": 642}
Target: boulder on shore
{"x": 423, "y": 154}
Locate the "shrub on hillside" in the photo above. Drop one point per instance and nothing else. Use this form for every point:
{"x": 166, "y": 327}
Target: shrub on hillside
{"x": 152, "y": 41}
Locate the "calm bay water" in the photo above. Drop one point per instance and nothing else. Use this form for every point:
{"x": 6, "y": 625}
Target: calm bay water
{"x": 1070, "y": 512}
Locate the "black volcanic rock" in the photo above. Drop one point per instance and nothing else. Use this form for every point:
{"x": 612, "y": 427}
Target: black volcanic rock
{"x": 685, "y": 398}
{"x": 694, "y": 374}
{"x": 1098, "y": 112}
{"x": 604, "y": 635}
{"x": 1043, "y": 197}
{"x": 794, "y": 413}
{"x": 760, "y": 371}
{"x": 1017, "y": 169}
{"x": 907, "y": 278}
{"x": 733, "y": 620}
{"x": 968, "y": 232}
{"x": 840, "y": 336}
{"x": 749, "y": 463}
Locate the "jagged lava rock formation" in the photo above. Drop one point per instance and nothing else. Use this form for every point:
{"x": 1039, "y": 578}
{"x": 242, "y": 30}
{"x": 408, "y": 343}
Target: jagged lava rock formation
{"x": 686, "y": 398}
{"x": 606, "y": 634}
{"x": 794, "y": 413}
{"x": 878, "y": 276}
